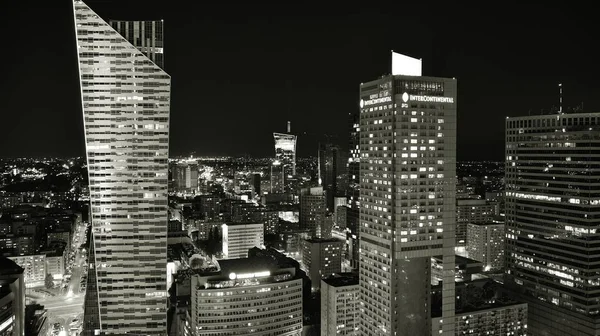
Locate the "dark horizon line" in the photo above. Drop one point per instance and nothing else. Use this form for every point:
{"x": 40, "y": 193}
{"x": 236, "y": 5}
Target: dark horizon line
{"x": 196, "y": 157}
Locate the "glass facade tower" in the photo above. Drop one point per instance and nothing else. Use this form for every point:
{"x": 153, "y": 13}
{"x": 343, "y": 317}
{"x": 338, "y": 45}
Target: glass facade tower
{"x": 407, "y": 202}
{"x": 553, "y": 220}
{"x": 285, "y": 152}
{"x": 146, "y": 36}
{"x": 125, "y": 102}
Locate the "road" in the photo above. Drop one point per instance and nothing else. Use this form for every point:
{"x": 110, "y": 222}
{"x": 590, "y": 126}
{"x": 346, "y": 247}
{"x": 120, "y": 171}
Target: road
{"x": 68, "y": 303}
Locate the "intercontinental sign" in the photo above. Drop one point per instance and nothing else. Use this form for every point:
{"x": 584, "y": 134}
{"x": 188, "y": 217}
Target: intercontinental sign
{"x": 376, "y": 99}
{"x": 433, "y": 99}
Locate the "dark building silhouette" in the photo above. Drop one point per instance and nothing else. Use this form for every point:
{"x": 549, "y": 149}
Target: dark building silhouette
{"x": 12, "y": 298}
{"x": 330, "y": 167}
{"x": 353, "y": 187}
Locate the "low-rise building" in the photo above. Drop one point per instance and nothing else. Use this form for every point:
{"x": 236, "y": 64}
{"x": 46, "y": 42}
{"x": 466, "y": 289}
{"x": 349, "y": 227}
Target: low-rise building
{"x": 246, "y": 296}
{"x": 340, "y": 305}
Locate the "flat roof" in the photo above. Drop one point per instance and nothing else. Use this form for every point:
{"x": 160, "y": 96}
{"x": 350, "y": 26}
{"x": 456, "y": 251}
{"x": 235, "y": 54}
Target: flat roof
{"x": 342, "y": 279}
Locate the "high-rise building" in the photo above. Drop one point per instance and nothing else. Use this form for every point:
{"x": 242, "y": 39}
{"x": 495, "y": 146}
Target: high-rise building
{"x": 239, "y": 238}
{"x": 353, "y": 190}
{"x": 12, "y": 298}
{"x": 312, "y": 210}
{"x": 339, "y": 305}
{"x": 185, "y": 176}
{"x": 329, "y": 166}
{"x": 321, "y": 258}
{"x": 125, "y": 101}
{"x": 285, "y": 152}
{"x": 407, "y": 198}
{"x": 552, "y": 201}
{"x": 472, "y": 210}
{"x": 277, "y": 177}
{"x": 485, "y": 243}
{"x": 249, "y": 296}
{"x": 146, "y": 36}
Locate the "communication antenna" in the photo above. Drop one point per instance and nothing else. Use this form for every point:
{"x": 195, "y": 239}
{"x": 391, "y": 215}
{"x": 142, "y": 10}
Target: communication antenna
{"x": 289, "y": 127}
{"x": 560, "y": 110}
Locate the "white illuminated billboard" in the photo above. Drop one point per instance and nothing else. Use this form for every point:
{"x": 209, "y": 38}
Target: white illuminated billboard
{"x": 405, "y": 66}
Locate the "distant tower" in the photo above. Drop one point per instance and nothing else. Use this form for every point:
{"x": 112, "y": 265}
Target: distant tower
{"x": 285, "y": 152}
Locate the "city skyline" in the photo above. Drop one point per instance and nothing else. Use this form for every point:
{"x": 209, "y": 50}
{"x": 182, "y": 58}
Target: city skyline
{"x": 259, "y": 55}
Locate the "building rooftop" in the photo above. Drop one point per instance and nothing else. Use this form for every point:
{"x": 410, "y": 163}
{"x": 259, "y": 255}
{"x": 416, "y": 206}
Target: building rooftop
{"x": 8, "y": 267}
{"x": 487, "y": 223}
{"x": 342, "y": 279}
{"x": 461, "y": 262}
{"x": 247, "y": 265}
{"x": 242, "y": 224}
{"x": 323, "y": 240}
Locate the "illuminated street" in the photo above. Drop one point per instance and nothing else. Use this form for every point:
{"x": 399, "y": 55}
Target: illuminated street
{"x": 68, "y": 304}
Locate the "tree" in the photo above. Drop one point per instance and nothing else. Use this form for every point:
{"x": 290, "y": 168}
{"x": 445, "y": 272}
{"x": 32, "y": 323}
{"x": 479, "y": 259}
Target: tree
{"x": 49, "y": 282}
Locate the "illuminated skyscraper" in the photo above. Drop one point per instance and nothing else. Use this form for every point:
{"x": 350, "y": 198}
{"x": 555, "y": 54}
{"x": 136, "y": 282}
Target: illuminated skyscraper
{"x": 125, "y": 102}
{"x": 407, "y": 198}
{"x": 285, "y": 152}
{"x": 552, "y": 220}
{"x": 146, "y": 36}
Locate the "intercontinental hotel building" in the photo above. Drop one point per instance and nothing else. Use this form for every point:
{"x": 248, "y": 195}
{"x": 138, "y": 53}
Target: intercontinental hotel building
{"x": 125, "y": 101}
{"x": 407, "y": 195}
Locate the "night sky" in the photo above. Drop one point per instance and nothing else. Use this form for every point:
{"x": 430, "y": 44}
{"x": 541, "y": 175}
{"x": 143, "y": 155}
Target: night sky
{"x": 239, "y": 72}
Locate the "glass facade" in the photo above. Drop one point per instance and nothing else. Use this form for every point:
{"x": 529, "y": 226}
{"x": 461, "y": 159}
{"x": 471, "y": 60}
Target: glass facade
{"x": 146, "y": 36}
{"x": 285, "y": 152}
{"x": 125, "y": 101}
{"x": 552, "y": 222}
{"x": 407, "y": 202}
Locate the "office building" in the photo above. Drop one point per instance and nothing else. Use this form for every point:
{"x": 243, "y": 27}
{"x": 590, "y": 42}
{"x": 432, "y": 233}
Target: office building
{"x": 407, "y": 198}
{"x": 239, "y": 238}
{"x": 472, "y": 210}
{"x": 208, "y": 206}
{"x": 321, "y": 258}
{"x": 464, "y": 269}
{"x": 552, "y": 197}
{"x": 12, "y": 299}
{"x": 353, "y": 189}
{"x": 185, "y": 176}
{"x": 339, "y": 305}
{"x": 248, "y": 296}
{"x": 146, "y": 36}
{"x": 125, "y": 98}
{"x": 277, "y": 177}
{"x": 485, "y": 243}
{"x": 312, "y": 209}
{"x": 482, "y": 308}
{"x": 256, "y": 182}
{"x": 330, "y": 167}
{"x": 501, "y": 319}
{"x": 34, "y": 269}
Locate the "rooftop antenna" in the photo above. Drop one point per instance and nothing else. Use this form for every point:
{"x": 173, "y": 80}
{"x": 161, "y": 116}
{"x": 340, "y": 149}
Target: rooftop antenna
{"x": 289, "y": 128}
{"x": 560, "y": 110}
